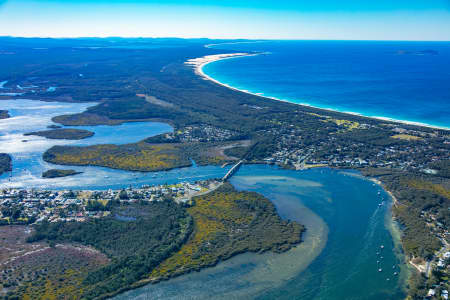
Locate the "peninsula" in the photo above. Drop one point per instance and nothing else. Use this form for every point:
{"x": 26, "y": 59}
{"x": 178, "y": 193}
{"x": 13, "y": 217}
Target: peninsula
{"x": 113, "y": 241}
{"x": 214, "y": 124}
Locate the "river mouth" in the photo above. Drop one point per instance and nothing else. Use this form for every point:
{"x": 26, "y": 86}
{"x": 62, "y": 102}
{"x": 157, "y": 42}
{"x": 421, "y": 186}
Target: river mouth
{"x": 337, "y": 259}
{"x": 344, "y": 214}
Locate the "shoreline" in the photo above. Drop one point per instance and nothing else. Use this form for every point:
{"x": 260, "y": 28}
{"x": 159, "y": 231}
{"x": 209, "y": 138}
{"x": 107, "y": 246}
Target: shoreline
{"x": 200, "y": 62}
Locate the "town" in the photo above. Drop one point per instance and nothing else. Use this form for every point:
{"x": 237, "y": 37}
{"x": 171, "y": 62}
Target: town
{"x": 22, "y": 206}
{"x": 391, "y": 147}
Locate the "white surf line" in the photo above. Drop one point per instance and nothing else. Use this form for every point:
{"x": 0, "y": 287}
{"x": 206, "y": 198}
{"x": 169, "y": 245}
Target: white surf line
{"x": 199, "y": 63}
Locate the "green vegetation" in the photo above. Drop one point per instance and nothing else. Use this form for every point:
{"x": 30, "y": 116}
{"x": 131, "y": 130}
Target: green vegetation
{"x": 54, "y": 126}
{"x": 141, "y": 156}
{"x": 417, "y": 194}
{"x": 228, "y": 222}
{"x": 37, "y": 271}
{"x": 134, "y": 157}
{"x": 87, "y": 119}
{"x": 5, "y": 163}
{"x": 55, "y": 173}
{"x": 64, "y": 134}
{"x": 173, "y": 93}
{"x": 4, "y": 114}
{"x": 150, "y": 241}
{"x": 136, "y": 238}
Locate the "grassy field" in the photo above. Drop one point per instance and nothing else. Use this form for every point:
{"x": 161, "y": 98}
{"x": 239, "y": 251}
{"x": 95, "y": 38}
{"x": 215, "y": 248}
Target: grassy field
{"x": 406, "y": 137}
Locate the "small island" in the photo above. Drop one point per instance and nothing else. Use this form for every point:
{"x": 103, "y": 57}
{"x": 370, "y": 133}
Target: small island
{"x": 4, "y": 114}
{"x": 5, "y": 163}
{"x": 63, "y": 134}
{"x": 54, "y": 126}
{"x": 56, "y": 173}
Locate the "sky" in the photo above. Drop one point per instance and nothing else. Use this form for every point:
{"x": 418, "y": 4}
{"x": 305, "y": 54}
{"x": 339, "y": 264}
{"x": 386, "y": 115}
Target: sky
{"x": 230, "y": 19}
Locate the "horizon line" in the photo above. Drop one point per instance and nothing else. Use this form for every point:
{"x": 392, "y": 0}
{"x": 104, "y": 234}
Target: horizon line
{"x": 209, "y": 38}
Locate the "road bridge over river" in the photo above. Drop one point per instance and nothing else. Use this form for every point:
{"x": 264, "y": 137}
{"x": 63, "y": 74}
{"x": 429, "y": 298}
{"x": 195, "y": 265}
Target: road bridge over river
{"x": 232, "y": 171}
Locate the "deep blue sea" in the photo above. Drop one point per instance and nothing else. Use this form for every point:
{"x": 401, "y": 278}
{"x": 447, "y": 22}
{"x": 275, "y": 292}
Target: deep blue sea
{"x": 399, "y": 80}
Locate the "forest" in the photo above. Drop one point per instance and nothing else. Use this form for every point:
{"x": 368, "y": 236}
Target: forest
{"x": 63, "y": 134}
{"x": 135, "y": 238}
{"x": 4, "y": 114}
{"x": 228, "y": 222}
{"x": 56, "y": 173}
{"x": 132, "y": 157}
{"x": 417, "y": 193}
{"x": 5, "y": 163}
{"x": 152, "y": 241}
{"x": 115, "y": 71}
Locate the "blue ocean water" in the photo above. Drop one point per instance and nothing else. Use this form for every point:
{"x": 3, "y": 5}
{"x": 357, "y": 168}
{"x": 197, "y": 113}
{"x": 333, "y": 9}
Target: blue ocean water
{"x": 400, "y": 80}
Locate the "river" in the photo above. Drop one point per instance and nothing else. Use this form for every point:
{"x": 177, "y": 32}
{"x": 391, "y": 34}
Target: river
{"x": 348, "y": 251}
{"x": 346, "y": 244}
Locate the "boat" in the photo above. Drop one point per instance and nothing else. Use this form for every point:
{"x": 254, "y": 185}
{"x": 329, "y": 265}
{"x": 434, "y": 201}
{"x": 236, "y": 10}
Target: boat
{"x": 380, "y": 270}
{"x": 395, "y": 273}
{"x": 382, "y": 246}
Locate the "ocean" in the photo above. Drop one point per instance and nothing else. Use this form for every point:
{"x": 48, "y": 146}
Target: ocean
{"x": 408, "y": 81}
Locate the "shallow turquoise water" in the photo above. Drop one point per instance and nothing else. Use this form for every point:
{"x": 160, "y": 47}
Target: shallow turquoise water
{"x": 342, "y": 213}
{"x": 26, "y": 151}
{"x": 399, "y": 80}
{"x": 345, "y": 223}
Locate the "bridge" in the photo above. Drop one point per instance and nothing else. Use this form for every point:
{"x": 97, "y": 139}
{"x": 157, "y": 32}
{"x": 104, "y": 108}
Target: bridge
{"x": 233, "y": 170}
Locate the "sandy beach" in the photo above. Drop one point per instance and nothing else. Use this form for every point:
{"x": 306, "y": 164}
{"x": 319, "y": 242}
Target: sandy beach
{"x": 199, "y": 63}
